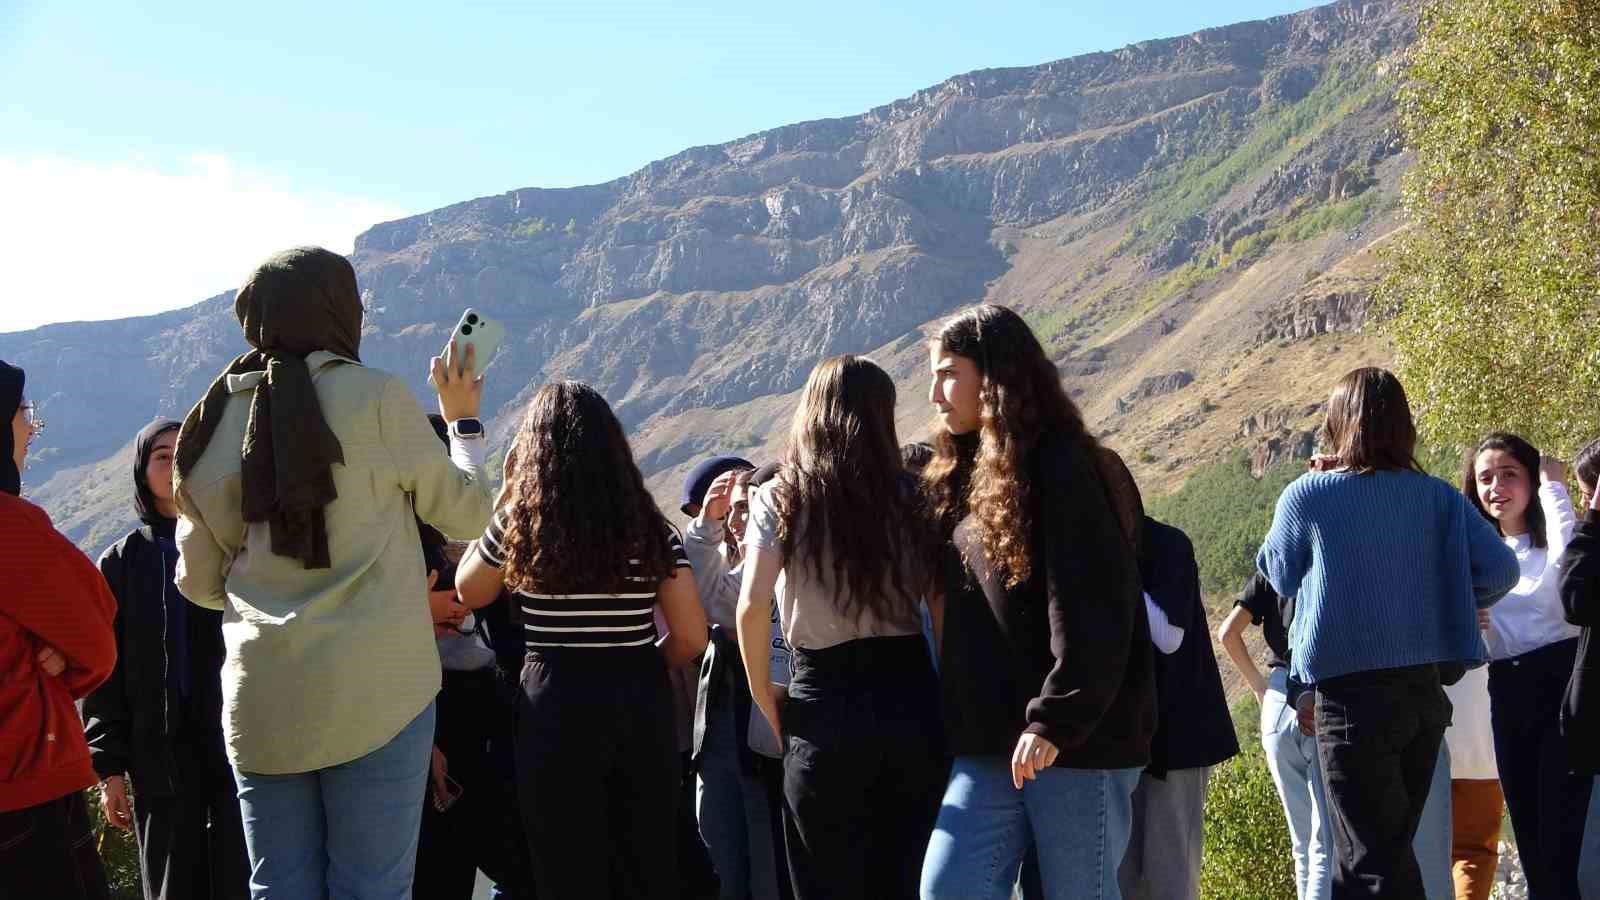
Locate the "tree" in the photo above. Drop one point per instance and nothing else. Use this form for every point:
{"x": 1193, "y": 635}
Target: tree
{"x": 1492, "y": 293}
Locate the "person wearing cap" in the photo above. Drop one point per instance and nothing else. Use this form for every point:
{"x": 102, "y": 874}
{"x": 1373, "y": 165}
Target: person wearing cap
{"x": 702, "y": 475}
{"x": 739, "y": 774}
{"x": 56, "y": 645}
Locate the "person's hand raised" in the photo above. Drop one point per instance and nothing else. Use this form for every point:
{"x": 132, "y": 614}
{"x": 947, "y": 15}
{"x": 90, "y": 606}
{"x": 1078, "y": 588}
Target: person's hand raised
{"x": 460, "y": 389}
{"x": 719, "y": 497}
{"x": 1552, "y": 470}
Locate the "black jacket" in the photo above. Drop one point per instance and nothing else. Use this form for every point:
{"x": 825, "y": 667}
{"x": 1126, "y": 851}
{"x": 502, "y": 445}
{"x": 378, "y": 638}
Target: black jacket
{"x": 1194, "y": 727}
{"x": 133, "y": 720}
{"x": 1580, "y": 594}
{"x": 1066, "y": 654}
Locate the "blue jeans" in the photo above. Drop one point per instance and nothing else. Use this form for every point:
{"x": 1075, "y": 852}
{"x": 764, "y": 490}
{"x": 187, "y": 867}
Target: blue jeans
{"x": 1434, "y": 832}
{"x": 1080, "y": 821}
{"x": 347, "y": 832}
{"x": 1292, "y": 760}
{"x": 735, "y": 817}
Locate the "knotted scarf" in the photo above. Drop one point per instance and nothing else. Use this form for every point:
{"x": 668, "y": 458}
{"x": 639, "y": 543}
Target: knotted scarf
{"x": 297, "y": 302}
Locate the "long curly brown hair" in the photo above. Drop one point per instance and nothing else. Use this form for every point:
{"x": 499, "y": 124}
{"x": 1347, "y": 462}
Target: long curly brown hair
{"x": 842, "y": 494}
{"x": 575, "y": 506}
{"x": 1021, "y": 400}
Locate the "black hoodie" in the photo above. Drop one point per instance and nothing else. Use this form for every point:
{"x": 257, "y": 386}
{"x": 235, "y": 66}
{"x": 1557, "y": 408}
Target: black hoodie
{"x": 12, "y": 381}
{"x": 159, "y": 717}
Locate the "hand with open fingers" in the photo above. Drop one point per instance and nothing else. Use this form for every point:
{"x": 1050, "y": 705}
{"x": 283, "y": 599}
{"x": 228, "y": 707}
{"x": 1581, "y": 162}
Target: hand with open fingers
{"x": 1033, "y": 755}
{"x": 51, "y": 661}
{"x": 460, "y": 390}
{"x": 719, "y": 497}
{"x": 114, "y": 802}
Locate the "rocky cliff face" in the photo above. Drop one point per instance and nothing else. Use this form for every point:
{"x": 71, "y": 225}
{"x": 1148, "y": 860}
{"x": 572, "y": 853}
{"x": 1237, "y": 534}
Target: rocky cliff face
{"x": 1150, "y": 209}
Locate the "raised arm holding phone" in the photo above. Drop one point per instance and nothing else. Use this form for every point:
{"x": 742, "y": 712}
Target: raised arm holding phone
{"x": 306, "y": 537}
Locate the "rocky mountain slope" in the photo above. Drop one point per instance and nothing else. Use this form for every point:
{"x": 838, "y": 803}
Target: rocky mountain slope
{"x": 1190, "y": 223}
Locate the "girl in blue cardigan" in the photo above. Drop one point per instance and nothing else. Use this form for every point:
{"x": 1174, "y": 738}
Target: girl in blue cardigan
{"x": 1388, "y": 568}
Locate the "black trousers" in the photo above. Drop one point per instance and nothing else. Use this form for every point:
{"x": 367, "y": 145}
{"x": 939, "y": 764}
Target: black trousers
{"x": 1378, "y": 735}
{"x": 191, "y": 845}
{"x": 483, "y": 830}
{"x": 864, "y": 768}
{"x": 48, "y": 851}
{"x": 1549, "y": 804}
{"x": 597, "y": 774}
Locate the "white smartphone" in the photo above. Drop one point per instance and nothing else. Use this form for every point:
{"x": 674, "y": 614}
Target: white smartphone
{"x": 478, "y": 331}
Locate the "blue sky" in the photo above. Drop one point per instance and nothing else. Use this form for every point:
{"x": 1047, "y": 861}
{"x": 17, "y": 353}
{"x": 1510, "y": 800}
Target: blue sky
{"x": 130, "y": 134}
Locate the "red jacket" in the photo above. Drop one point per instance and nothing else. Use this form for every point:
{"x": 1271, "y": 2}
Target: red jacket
{"x": 50, "y": 594}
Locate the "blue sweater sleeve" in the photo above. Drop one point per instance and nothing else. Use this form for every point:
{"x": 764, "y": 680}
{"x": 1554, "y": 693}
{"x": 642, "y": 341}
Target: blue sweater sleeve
{"x": 1494, "y": 565}
{"x": 1285, "y": 554}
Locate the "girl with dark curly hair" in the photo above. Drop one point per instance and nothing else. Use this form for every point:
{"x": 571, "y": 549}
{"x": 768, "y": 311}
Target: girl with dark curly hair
{"x": 1532, "y": 650}
{"x": 1046, "y": 666}
{"x": 842, "y": 522}
{"x": 590, "y": 561}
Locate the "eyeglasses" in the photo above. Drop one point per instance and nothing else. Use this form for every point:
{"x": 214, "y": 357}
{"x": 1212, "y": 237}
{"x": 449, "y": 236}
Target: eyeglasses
{"x": 30, "y": 414}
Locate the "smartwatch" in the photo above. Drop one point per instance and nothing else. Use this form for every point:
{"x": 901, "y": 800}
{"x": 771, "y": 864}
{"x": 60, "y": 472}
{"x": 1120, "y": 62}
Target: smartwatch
{"x": 467, "y": 428}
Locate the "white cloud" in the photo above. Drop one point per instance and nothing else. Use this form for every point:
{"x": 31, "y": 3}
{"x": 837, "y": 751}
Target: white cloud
{"x": 95, "y": 240}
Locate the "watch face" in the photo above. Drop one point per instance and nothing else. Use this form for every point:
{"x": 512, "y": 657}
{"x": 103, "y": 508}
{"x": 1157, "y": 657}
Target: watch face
{"x": 468, "y": 426}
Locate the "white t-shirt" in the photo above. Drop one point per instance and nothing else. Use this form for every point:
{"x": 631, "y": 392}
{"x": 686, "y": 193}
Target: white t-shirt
{"x": 1469, "y": 736}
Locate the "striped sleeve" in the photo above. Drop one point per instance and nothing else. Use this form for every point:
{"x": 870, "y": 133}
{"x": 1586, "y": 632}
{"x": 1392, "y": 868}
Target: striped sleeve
{"x": 491, "y": 547}
{"x": 680, "y": 556}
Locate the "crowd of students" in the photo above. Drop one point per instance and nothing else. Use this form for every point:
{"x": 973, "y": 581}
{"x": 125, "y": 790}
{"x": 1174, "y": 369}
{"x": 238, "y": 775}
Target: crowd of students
{"x": 328, "y": 664}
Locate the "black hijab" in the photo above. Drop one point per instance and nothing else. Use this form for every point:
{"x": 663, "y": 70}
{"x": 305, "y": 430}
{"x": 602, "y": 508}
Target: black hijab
{"x": 144, "y": 500}
{"x": 294, "y": 304}
{"x": 12, "y": 380}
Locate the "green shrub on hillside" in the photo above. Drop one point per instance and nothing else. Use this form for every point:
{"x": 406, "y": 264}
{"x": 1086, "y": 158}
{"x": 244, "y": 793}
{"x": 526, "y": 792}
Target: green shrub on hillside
{"x": 1247, "y": 851}
{"x": 1226, "y": 512}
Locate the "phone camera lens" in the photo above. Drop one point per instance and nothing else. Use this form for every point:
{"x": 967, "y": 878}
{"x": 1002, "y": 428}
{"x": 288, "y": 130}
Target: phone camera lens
{"x": 466, "y": 329}
{"x": 472, "y": 319}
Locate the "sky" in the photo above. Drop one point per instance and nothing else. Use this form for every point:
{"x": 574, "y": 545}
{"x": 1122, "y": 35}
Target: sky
{"x": 152, "y": 153}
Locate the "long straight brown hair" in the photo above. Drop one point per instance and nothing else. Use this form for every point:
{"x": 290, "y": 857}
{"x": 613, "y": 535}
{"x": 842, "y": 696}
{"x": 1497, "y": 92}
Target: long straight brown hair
{"x": 842, "y": 494}
{"x": 1369, "y": 426}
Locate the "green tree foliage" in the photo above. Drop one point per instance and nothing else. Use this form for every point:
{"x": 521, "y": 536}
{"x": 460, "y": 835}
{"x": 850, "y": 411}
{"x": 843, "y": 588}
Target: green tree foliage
{"x": 1493, "y": 290}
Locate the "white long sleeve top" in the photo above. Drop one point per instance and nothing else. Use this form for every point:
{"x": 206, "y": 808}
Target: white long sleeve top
{"x": 1531, "y": 616}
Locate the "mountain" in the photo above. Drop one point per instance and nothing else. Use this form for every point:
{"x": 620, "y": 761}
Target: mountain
{"x": 1189, "y": 223}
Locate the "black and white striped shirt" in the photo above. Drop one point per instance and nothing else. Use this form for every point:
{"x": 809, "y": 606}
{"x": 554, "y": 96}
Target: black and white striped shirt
{"x": 590, "y": 620}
